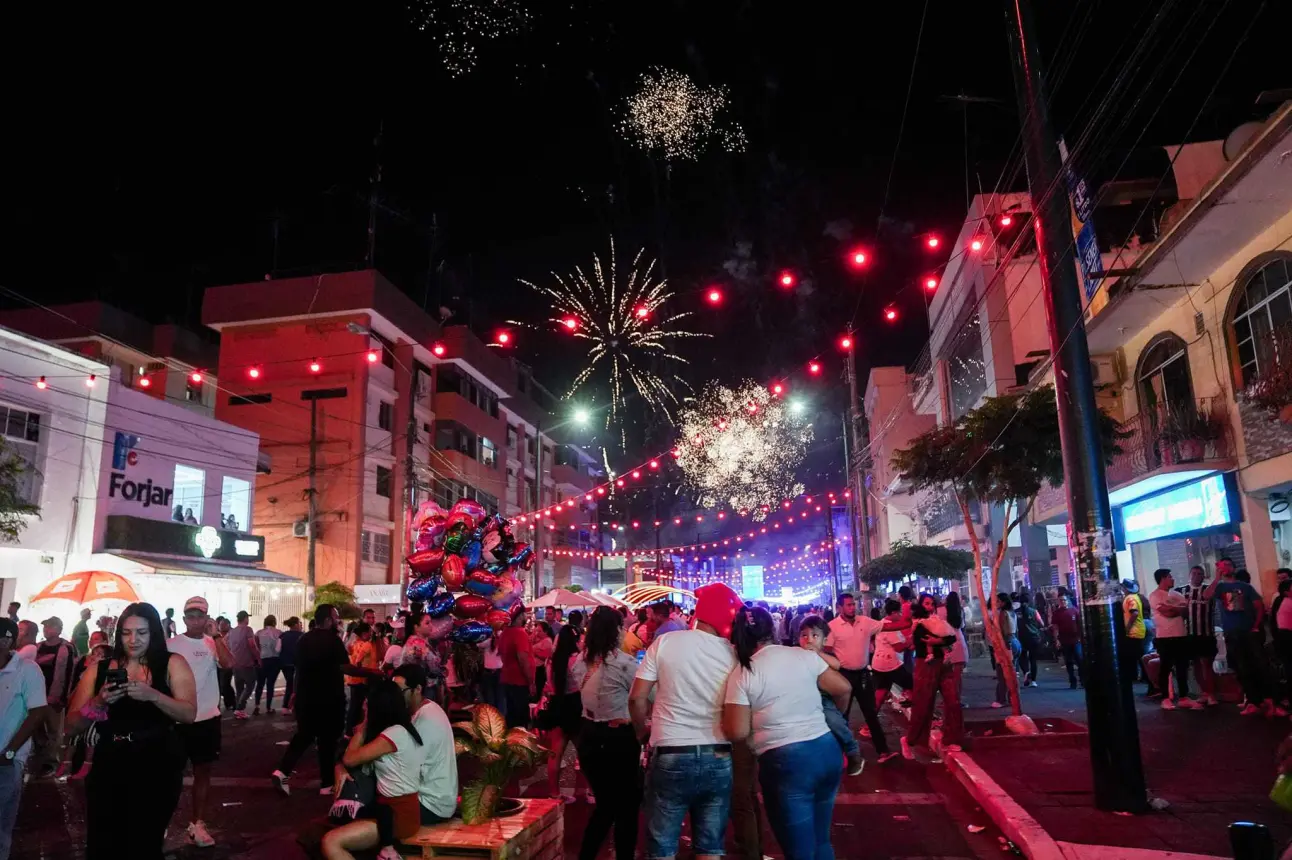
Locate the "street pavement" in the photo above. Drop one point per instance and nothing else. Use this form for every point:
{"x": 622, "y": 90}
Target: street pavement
{"x": 1212, "y": 767}
{"x": 899, "y": 811}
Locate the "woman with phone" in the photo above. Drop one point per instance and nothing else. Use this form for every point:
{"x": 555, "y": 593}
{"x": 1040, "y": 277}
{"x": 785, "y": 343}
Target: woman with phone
{"x": 136, "y": 697}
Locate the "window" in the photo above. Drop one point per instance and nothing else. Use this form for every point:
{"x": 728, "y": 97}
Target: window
{"x": 385, "y": 415}
{"x": 966, "y": 369}
{"x": 488, "y": 453}
{"x": 189, "y": 485}
{"x": 375, "y": 546}
{"x": 21, "y": 430}
{"x": 511, "y": 438}
{"x": 192, "y": 390}
{"x": 383, "y": 481}
{"x": 1264, "y": 308}
{"x": 235, "y": 504}
{"x": 446, "y": 491}
{"x": 1164, "y": 383}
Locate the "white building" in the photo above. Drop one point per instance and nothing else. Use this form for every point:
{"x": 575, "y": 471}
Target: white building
{"x": 108, "y": 466}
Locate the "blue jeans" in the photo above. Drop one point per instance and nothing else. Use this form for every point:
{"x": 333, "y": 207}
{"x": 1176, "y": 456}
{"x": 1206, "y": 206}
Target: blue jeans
{"x": 799, "y": 784}
{"x": 10, "y": 794}
{"x": 838, "y": 724}
{"x": 680, "y": 782}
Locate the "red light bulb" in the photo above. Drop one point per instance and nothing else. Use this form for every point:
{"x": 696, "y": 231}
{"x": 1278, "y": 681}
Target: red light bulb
{"x": 933, "y": 241}
{"x": 890, "y": 314}
{"x": 845, "y": 342}
{"x": 570, "y": 323}
{"x": 654, "y": 464}
{"x": 714, "y": 296}
{"x": 1006, "y": 220}
{"x": 636, "y": 474}
{"x": 814, "y": 367}
{"x": 42, "y": 384}
{"x": 642, "y": 312}
{"x": 930, "y": 284}
{"x": 315, "y": 366}
{"x": 787, "y": 279}
{"x": 859, "y": 258}
{"x": 778, "y": 389}
{"x": 503, "y": 337}
{"x": 975, "y": 245}
{"x": 253, "y": 372}
{"x": 89, "y": 383}
{"x": 373, "y": 356}
{"x": 145, "y": 382}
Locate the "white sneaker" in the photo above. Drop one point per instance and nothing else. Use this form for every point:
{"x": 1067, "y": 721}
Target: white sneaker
{"x": 198, "y": 835}
{"x": 1188, "y": 704}
{"x": 1168, "y": 705}
{"x": 280, "y": 783}
{"x": 997, "y": 705}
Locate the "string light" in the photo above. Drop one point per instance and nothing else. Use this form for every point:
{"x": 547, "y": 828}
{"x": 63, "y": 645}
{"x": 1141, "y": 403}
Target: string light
{"x": 1006, "y": 220}
{"x": 145, "y": 382}
{"x": 845, "y": 342}
{"x": 787, "y": 279}
{"x": 195, "y": 377}
{"x": 89, "y": 383}
{"x": 438, "y": 350}
{"x": 42, "y": 384}
{"x": 253, "y": 372}
{"x": 502, "y": 337}
{"x": 932, "y": 242}
{"x": 890, "y": 313}
{"x": 315, "y": 366}
{"x": 975, "y": 245}
{"x": 858, "y": 258}
{"x": 714, "y": 296}
{"x": 814, "y": 367}
{"x": 930, "y": 284}
{"x": 373, "y": 356}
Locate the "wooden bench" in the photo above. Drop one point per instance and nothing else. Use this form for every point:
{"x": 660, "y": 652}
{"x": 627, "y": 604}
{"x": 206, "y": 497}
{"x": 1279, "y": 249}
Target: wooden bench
{"x": 537, "y": 832}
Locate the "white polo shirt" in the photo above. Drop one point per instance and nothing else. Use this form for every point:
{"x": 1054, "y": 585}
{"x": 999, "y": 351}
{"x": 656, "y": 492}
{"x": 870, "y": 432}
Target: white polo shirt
{"x": 22, "y": 687}
{"x": 690, "y": 668}
{"x": 851, "y": 642}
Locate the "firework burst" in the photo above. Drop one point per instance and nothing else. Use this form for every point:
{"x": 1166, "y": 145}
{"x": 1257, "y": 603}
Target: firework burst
{"x": 741, "y": 448}
{"x": 628, "y": 333}
{"x": 672, "y": 115}
{"x": 460, "y": 28}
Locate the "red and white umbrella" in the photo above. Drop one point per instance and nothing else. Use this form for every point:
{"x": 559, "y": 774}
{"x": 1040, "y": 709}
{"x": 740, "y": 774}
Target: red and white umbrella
{"x": 89, "y": 586}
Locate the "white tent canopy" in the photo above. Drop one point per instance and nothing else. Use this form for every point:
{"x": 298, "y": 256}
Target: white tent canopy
{"x": 559, "y": 597}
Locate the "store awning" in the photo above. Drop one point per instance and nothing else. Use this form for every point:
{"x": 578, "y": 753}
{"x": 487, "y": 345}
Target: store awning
{"x": 210, "y": 569}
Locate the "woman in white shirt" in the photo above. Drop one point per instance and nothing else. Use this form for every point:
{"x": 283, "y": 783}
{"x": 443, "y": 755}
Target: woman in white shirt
{"x": 773, "y": 697}
{"x": 389, "y": 741}
{"x": 268, "y": 639}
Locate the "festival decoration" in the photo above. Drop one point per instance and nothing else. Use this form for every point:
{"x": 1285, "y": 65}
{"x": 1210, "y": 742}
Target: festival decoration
{"x": 465, "y": 565}
{"x": 627, "y": 337}
{"x": 741, "y": 448}
{"x": 672, "y": 116}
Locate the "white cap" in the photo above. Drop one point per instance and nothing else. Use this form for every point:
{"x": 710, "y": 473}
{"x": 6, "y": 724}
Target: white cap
{"x": 196, "y": 603}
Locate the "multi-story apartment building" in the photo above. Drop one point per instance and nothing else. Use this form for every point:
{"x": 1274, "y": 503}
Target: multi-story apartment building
{"x": 357, "y": 390}
{"x": 1196, "y": 310}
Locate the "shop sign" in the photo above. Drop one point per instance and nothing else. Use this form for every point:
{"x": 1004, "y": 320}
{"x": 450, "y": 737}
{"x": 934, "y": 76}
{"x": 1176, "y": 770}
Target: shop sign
{"x": 380, "y": 594}
{"x": 164, "y": 537}
{"x": 1195, "y": 506}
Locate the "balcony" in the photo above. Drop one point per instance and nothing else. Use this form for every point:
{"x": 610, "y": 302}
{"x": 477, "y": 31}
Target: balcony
{"x": 940, "y": 513}
{"x": 1265, "y": 407}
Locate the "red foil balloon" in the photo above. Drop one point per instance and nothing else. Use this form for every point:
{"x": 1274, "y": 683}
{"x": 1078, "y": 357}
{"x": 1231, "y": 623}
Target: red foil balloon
{"x": 472, "y": 509}
{"x": 427, "y": 561}
{"x": 430, "y": 534}
{"x": 470, "y": 606}
{"x": 454, "y": 572}
{"x": 497, "y": 619}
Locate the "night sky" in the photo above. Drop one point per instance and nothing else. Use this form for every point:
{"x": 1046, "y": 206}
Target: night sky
{"x": 151, "y": 157}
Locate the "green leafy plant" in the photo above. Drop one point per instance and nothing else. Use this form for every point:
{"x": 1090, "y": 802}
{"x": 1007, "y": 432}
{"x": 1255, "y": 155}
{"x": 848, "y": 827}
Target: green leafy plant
{"x": 905, "y": 557}
{"x": 15, "y": 511}
{"x": 1271, "y": 389}
{"x": 1192, "y": 425}
{"x": 1000, "y": 453}
{"x": 486, "y": 738}
{"x": 339, "y": 595}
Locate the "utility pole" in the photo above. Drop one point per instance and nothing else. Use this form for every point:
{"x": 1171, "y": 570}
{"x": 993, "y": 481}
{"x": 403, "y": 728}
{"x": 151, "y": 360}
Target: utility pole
{"x": 537, "y": 574}
{"x": 848, "y": 500}
{"x": 410, "y": 486}
{"x": 856, "y": 429}
{"x": 1110, "y": 707}
{"x": 313, "y": 496}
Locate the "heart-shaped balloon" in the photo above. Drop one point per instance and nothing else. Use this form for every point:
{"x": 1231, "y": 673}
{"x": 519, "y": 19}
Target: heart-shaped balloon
{"x": 440, "y": 605}
{"x": 441, "y": 627}
{"x": 471, "y": 633}
{"x": 427, "y": 561}
{"x": 472, "y": 509}
{"x": 454, "y": 572}
{"x": 423, "y": 587}
{"x": 430, "y": 534}
{"x": 481, "y": 583}
{"x": 470, "y": 606}
{"x": 456, "y": 538}
{"x": 425, "y": 511}
{"x": 497, "y": 619}
{"x": 523, "y": 557}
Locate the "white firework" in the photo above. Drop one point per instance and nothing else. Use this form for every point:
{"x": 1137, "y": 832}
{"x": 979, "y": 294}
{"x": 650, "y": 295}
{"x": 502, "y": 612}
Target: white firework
{"x": 460, "y": 28}
{"x": 672, "y": 115}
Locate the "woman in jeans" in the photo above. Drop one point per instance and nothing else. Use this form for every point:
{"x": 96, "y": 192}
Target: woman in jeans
{"x": 953, "y": 613}
{"x": 136, "y": 697}
{"x": 269, "y": 640}
{"x": 609, "y": 752}
{"x": 1004, "y": 609}
{"x": 773, "y": 697}
{"x": 564, "y": 678}
{"x": 287, "y": 659}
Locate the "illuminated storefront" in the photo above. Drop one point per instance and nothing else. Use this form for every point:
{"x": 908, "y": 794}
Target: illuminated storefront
{"x": 1192, "y": 523}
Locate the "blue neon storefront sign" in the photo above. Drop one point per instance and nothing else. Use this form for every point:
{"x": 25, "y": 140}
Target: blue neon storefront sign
{"x": 1195, "y": 506}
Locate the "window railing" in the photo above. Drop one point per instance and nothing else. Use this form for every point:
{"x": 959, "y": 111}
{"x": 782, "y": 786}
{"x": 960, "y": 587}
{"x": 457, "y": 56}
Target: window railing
{"x": 1158, "y": 438}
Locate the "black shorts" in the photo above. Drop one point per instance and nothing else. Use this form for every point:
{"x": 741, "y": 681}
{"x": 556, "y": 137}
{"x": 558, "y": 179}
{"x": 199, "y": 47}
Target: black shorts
{"x": 1202, "y": 647}
{"x": 201, "y": 740}
{"x": 901, "y": 676}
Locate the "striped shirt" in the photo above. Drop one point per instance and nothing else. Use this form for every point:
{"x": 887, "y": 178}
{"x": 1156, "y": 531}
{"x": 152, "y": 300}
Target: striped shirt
{"x": 1200, "y": 621}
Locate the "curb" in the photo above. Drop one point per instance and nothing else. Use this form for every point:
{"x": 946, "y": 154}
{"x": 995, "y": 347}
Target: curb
{"x": 1027, "y": 833}
{"x": 1021, "y": 829}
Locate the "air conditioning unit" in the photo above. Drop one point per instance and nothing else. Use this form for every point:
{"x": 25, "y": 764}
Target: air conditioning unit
{"x": 1110, "y": 368}
{"x": 301, "y": 529}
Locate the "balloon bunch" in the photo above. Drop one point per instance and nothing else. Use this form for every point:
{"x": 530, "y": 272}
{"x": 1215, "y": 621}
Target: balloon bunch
{"x": 465, "y": 563}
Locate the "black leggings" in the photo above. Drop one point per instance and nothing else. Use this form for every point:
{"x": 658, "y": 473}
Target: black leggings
{"x": 267, "y": 679}
{"x": 610, "y": 757}
{"x": 863, "y": 691}
{"x": 1027, "y": 665}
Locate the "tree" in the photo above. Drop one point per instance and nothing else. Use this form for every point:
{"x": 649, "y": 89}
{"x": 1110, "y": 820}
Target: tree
{"x": 905, "y": 557}
{"x": 999, "y": 453}
{"x": 339, "y": 595}
{"x": 574, "y": 589}
{"x": 15, "y": 511}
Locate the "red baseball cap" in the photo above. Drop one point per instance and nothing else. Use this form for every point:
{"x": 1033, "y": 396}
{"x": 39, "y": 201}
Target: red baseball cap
{"x": 717, "y": 605}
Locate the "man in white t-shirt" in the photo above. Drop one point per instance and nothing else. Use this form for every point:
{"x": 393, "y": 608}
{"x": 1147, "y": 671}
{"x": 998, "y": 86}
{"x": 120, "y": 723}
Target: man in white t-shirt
{"x": 437, "y": 790}
{"x": 690, "y": 763}
{"x": 22, "y": 710}
{"x": 849, "y": 640}
{"x": 206, "y": 652}
{"x": 1170, "y": 609}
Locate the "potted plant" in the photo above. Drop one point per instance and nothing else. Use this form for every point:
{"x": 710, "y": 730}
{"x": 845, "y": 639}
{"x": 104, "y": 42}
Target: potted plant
{"x": 500, "y": 752}
{"x": 1190, "y": 430}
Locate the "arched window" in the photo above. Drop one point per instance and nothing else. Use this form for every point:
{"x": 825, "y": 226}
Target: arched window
{"x": 1262, "y": 308}
{"x": 1164, "y": 384}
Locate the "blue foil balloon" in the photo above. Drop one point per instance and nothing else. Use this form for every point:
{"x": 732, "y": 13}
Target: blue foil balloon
{"x": 484, "y": 589}
{"x": 471, "y": 632}
{"x": 439, "y": 605}
{"x": 496, "y": 569}
{"x": 424, "y": 587}
{"x": 471, "y": 555}
{"x": 519, "y": 559}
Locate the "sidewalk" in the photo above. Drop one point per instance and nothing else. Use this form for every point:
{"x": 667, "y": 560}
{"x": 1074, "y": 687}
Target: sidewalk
{"x": 1213, "y": 767}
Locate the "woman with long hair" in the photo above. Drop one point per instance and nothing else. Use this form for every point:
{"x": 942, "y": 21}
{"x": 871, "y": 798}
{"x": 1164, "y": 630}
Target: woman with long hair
{"x": 933, "y": 639}
{"x": 609, "y": 752}
{"x": 564, "y": 678}
{"x": 542, "y": 644}
{"x": 773, "y": 697}
{"x": 387, "y": 740}
{"x": 953, "y": 613}
{"x": 136, "y": 697}
{"x": 1003, "y": 606}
